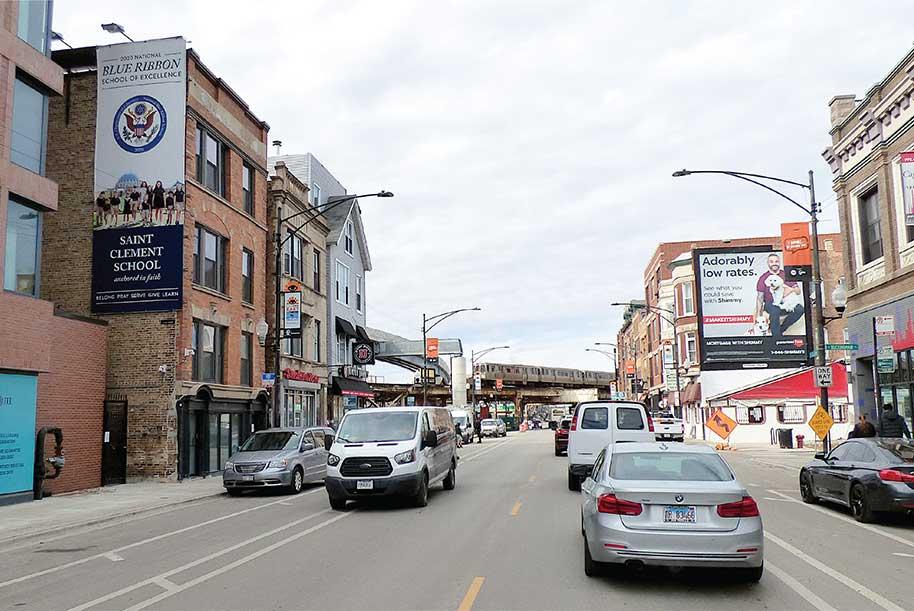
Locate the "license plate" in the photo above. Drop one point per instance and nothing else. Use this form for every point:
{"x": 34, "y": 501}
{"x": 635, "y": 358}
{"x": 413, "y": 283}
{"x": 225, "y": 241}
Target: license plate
{"x": 247, "y": 478}
{"x": 364, "y": 484}
{"x": 679, "y": 515}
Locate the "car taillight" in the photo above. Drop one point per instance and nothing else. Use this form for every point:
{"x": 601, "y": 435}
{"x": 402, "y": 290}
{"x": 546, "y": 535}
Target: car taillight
{"x": 608, "y": 503}
{"x": 574, "y": 421}
{"x": 650, "y": 423}
{"x": 891, "y": 475}
{"x": 746, "y": 508}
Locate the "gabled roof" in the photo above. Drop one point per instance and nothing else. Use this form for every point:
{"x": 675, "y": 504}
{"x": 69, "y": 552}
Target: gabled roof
{"x": 336, "y": 220}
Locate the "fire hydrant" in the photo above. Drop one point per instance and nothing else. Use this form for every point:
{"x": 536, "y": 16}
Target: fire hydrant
{"x": 800, "y": 439}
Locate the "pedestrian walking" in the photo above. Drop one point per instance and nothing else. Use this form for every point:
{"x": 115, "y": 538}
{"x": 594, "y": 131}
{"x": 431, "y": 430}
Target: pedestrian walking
{"x": 892, "y": 424}
{"x": 477, "y": 425}
{"x": 863, "y": 428}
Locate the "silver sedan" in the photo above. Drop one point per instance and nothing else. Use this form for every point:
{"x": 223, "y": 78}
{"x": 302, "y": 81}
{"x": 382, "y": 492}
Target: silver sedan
{"x": 669, "y": 505}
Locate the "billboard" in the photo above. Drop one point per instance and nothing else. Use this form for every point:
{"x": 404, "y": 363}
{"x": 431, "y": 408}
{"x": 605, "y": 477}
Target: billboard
{"x": 750, "y": 315}
{"x": 18, "y": 394}
{"x": 138, "y": 214}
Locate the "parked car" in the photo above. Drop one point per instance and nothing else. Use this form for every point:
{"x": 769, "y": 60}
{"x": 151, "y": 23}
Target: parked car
{"x": 668, "y": 427}
{"x": 596, "y": 424}
{"x": 391, "y": 451}
{"x": 868, "y": 475}
{"x": 465, "y": 420}
{"x": 561, "y": 437}
{"x": 278, "y": 457}
{"x": 669, "y": 505}
{"x": 493, "y": 427}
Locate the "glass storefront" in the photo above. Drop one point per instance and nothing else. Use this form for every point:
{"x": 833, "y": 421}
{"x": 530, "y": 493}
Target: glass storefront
{"x": 300, "y": 408}
{"x": 210, "y": 431}
{"x": 897, "y": 388}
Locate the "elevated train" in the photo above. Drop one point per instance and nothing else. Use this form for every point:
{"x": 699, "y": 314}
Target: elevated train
{"x": 536, "y": 374}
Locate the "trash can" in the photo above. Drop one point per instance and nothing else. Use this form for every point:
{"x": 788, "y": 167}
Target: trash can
{"x": 785, "y": 438}
{"x": 800, "y": 439}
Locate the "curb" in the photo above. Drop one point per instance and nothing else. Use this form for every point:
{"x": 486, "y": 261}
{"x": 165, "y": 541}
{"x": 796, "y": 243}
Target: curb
{"x": 107, "y": 518}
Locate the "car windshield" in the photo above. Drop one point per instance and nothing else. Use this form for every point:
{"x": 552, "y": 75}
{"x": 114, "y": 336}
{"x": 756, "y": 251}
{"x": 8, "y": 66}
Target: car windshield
{"x": 461, "y": 420}
{"x": 901, "y": 450}
{"x": 489, "y": 421}
{"x": 663, "y": 466}
{"x": 271, "y": 440}
{"x": 377, "y": 426}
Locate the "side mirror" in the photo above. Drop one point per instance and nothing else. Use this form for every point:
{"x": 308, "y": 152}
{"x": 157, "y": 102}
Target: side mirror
{"x": 306, "y": 447}
{"x": 328, "y": 442}
{"x": 431, "y": 439}
{"x": 821, "y": 456}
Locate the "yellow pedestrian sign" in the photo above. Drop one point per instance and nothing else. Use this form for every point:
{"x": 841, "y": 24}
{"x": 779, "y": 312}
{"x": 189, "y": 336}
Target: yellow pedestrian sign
{"x": 821, "y": 423}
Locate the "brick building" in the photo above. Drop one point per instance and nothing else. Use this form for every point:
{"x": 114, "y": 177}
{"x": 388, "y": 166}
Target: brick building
{"x": 186, "y": 383}
{"x": 303, "y": 385}
{"x": 52, "y": 363}
{"x": 872, "y": 186}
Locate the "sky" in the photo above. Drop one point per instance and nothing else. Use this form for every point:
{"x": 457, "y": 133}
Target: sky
{"x": 530, "y": 143}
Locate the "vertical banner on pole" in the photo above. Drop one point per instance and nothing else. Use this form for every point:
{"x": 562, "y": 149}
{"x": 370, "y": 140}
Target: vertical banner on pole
{"x": 907, "y": 186}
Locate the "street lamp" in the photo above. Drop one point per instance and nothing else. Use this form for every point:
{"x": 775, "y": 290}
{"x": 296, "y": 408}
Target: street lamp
{"x": 59, "y": 37}
{"x": 474, "y": 357}
{"x": 279, "y": 242}
{"x": 672, "y": 320}
{"x": 114, "y": 28}
{"x": 435, "y": 320}
{"x": 812, "y": 211}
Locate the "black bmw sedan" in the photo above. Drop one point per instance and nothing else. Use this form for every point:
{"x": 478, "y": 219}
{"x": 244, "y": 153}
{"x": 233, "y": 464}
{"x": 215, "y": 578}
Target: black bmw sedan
{"x": 869, "y": 476}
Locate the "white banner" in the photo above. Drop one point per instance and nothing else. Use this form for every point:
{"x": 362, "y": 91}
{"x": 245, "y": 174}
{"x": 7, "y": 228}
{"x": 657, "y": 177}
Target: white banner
{"x": 907, "y": 186}
{"x": 291, "y": 310}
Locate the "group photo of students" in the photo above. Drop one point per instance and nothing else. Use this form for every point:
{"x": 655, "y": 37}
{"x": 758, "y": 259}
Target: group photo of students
{"x": 138, "y": 203}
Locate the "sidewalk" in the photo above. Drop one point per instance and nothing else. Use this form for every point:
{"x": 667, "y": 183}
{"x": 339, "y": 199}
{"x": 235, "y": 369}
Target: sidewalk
{"x": 60, "y": 512}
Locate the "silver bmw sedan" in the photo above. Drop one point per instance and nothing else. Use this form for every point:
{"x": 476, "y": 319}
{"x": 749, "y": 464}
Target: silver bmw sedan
{"x": 669, "y": 505}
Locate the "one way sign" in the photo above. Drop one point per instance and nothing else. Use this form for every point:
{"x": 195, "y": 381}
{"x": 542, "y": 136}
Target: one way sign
{"x": 823, "y": 376}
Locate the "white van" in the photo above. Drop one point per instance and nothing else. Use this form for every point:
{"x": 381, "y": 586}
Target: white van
{"x": 465, "y": 419}
{"x": 596, "y": 424}
{"x": 391, "y": 451}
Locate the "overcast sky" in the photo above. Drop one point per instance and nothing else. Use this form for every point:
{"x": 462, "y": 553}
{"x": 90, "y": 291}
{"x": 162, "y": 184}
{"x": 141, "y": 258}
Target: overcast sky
{"x": 530, "y": 143}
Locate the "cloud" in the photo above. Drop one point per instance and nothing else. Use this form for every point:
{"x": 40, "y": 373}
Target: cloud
{"x": 530, "y": 143}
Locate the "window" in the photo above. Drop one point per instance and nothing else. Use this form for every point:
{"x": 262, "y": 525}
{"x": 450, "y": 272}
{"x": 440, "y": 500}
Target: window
{"x": 33, "y": 23}
{"x": 598, "y": 464}
{"x": 315, "y": 194}
{"x": 750, "y": 415}
{"x": 316, "y": 352}
{"x": 629, "y": 419}
{"x": 688, "y": 350}
{"x": 870, "y": 226}
{"x": 348, "y": 243}
{"x": 342, "y": 283}
{"x": 292, "y": 346}
{"x": 30, "y": 120}
{"x": 207, "y": 342}
{"x": 247, "y": 358}
{"x": 839, "y": 412}
{"x": 358, "y": 293}
{"x": 247, "y": 275}
{"x": 342, "y": 345}
{"x": 293, "y": 264}
{"x": 317, "y": 270}
{"x": 210, "y": 161}
{"x": 209, "y": 259}
{"x": 841, "y": 452}
{"x": 792, "y": 414}
{"x": 688, "y": 300}
{"x": 247, "y": 188}
{"x": 859, "y": 453}
{"x": 23, "y": 245}
{"x": 669, "y": 466}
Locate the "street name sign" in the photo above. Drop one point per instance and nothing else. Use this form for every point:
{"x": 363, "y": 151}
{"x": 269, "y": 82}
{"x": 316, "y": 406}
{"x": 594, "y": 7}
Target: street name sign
{"x": 821, "y": 422}
{"x": 823, "y": 376}
{"x": 850, "y": 347}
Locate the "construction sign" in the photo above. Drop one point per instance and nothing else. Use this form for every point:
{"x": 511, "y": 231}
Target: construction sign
{"x": 821, "y": 422}
{"x": 721, "y": 424}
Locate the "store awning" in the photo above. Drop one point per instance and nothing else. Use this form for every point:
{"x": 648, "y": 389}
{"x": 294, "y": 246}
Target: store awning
{"x": 798, "y": 384}
{"x": 344, "y": 326}
{"x": 361, "y": 333}
{"x": 692, "y": 392}
{"x": 352, "y": 387}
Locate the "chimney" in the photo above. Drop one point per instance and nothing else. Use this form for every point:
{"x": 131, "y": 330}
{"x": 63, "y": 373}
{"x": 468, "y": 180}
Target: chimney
{"x": 841, "y": 107}
{"x": 278, "y": 144}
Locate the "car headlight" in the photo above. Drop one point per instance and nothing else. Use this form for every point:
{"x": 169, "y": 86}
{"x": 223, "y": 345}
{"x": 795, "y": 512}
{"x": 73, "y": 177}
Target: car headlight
{"x": 279, "y": 464}
{"x": 333, "y": 460}
{"x": 405, "y": 457}
{"x": 229, "y": 465}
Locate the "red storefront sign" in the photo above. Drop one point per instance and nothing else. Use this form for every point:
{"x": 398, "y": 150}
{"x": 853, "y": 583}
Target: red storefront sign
{"x": 300, "y": 376}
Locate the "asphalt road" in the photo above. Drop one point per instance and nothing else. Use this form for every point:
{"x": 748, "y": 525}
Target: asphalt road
{"x": 506, "y": 538}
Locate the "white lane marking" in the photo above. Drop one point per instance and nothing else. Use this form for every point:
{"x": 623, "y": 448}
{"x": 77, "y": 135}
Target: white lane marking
{"x": 862, "y": 590}
{"x": 164, "y": 583}
{"x": 198, "y": 561}
{"x": 478, "y": 454}
{"x": 113, "y": 557}
{"x": 903, "y": 555}
{"x": 799, "y": 588}
{"x": 856, "y": 524}
{"x": 235, "y": 564}
{"x": 68, "y": 565}
{"x": 772, "y": 498}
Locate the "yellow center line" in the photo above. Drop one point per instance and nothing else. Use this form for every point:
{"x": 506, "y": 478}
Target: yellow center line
{"x": 470, "y": 597}
{"x": 516, "y": 509}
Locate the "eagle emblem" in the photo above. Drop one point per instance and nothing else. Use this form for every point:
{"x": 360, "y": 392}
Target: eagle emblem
{"x": 139, "y": 124}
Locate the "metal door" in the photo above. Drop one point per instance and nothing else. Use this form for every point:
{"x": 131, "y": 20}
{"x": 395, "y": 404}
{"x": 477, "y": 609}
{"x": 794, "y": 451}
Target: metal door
{"x": 114, "y": 443}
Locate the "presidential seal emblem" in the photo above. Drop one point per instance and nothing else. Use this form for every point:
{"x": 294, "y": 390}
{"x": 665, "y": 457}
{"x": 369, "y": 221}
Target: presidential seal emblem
{"x": 139, "y": 124}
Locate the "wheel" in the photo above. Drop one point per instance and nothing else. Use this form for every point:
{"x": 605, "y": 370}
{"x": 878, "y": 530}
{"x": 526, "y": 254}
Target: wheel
{"x": 583, "y": 534}
{"x": 298, "y": 480}
{"x": 592, "y": 568}
{"x": 574, "y": 484}
{"x": 451, "y": 480}
{"x": 860, "y": 506}
{"x": 421, "y": 498}
{"x": 558, "y": 452}
{"x": 233, "y": 491}
{"x": 806, "y": 489}
{"x": 338, "y": 503}
{"x": 753, "y": 575}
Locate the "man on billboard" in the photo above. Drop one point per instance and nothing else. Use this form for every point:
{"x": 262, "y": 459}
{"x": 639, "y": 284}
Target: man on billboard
{"x": 779, "y": 300}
